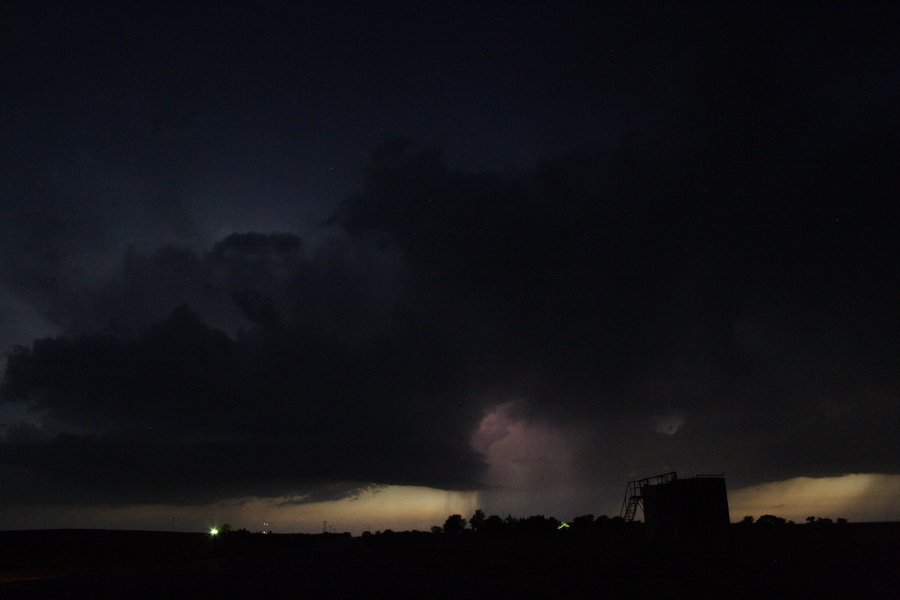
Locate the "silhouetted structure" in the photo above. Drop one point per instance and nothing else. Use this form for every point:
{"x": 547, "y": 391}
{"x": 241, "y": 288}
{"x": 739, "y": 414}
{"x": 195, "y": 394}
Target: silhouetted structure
{"x": 675, "y": 506}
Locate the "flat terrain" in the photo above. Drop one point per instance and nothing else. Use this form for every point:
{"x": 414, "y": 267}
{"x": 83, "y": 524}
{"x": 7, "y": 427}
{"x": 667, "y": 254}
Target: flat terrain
{"x": 841, "y": 561}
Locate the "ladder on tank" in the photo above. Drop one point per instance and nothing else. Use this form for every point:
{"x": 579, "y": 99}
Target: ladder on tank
{"x": 631, "y": 502}
{"x": 634, "y": 493}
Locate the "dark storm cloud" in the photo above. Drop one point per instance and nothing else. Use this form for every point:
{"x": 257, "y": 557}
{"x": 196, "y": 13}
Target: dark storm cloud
{"x": 622, "y": 289}
{"x": 710, "y": 283}
{"x": 769, "y": 343}
{"x": 318, "y": 386}
{"x": 335, "y": 491}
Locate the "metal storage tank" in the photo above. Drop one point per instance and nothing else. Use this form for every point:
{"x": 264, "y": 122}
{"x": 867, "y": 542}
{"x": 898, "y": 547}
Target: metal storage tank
{"x": 673, "y": 506}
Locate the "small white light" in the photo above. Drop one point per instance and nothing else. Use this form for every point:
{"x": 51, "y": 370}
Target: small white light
{"x": 213, "y": 531}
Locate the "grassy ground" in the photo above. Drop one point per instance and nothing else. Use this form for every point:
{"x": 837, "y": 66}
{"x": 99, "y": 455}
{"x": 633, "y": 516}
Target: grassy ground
{"x": 848, "y": 561}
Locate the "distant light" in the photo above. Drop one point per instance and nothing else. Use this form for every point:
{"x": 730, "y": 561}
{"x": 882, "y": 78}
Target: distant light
{"x": 213, "y": 531}
{"x": 563, "y": 525}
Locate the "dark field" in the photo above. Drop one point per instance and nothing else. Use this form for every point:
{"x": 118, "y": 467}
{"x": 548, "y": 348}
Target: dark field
{"x": 845, "y": 561}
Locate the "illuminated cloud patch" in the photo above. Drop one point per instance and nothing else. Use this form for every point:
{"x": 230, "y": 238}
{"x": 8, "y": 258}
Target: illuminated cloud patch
{"x": 532, "y": 466}
{"x": 857, "y": 497}
{"x": 668, "y": 424}
{"x": 522, "y": 454}
{"x": 396, "y": 507}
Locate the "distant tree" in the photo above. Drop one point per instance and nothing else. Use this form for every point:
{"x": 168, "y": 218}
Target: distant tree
{"x": 748, "y": 520}
{"x": 477, "y": 520}
{"x": 436, "y": 529}
{"x": 454, "y": 524}
{"x": 511, "y": 521}
{"x": 538, "y": 523}
{"x": 617, "y": 521}
{"x": 841, "y": 521}
{"x": 770, "y": 520}
{"x": 810, "y": 520}
{"x": 366, "y": 533}
{"x": 493, "y": 524}
{"x": 225, "y": 528}
{"x": 582, "y": 522}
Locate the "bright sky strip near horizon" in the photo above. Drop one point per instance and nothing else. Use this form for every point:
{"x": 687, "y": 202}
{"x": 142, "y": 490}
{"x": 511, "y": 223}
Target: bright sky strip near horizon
{"x": 857, "y": 497}
{"x": 530, "y": 251}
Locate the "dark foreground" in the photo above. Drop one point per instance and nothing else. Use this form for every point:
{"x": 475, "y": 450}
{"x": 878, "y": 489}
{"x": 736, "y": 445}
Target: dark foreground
{"x": 847, "y": 561}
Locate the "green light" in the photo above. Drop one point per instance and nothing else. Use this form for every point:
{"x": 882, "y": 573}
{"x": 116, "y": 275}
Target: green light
{"x": 563, "y": 525}
{"x": 213, "y": 531}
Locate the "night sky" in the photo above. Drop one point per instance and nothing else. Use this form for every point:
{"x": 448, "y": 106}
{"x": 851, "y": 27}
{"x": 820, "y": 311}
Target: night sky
{"x": 269, "y": 262}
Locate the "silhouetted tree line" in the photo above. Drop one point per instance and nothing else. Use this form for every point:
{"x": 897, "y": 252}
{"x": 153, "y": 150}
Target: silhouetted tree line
{"x": 480, "y": 523}
{"x": 773, "y": 521}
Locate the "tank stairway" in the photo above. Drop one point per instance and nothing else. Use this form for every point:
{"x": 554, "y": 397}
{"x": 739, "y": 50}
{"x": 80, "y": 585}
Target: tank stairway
{"x": 633, "y": 493}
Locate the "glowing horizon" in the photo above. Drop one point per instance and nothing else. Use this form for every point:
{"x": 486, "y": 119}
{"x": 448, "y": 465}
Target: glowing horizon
{"x": 858, "y": 497}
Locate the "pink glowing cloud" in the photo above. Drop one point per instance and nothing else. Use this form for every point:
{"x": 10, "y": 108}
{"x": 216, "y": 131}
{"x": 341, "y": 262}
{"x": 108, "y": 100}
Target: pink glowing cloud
{"x": 526, "y": 458}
